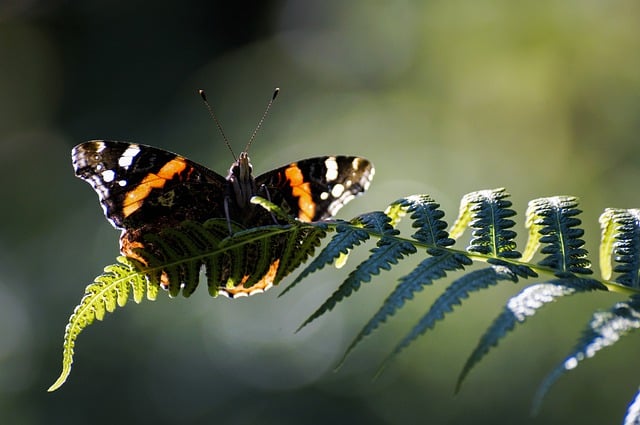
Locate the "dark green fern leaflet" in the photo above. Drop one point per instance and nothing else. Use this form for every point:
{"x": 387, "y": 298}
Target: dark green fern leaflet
{"x": 487, "y": 212}
{"x": 621, "y": 240}
{"x": 345, "y": 239}
{"x": 604, "y": 330}
{"x": 427, "y": 217}
{"x": 556, "y": 227}
{"x": 490, "y": 212}
{"x": 388, "y": 251}
{"x": 519, "y": 308}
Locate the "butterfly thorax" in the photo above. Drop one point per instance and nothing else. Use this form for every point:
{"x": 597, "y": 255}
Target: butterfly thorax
{"x": 242, "y": 184}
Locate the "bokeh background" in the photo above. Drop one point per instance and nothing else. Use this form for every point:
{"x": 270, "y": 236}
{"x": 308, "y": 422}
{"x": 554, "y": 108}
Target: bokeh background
{"x": 446, "y": 97}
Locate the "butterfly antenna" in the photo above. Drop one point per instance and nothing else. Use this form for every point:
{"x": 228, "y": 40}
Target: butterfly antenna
{"x": 203, "y": 95}
{"x": 264, "y": 115}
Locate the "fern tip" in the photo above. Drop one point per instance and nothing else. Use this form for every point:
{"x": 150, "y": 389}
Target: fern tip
{"x": 305, "y": 323}
{"x": 341, "y": 362}
{"x": 382, "y": 367}
{"x": 61, "y": 380}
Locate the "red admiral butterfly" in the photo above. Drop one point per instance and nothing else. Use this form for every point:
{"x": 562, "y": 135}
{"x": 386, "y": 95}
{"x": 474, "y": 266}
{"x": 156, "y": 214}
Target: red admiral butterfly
{"x": 144, "y": 189}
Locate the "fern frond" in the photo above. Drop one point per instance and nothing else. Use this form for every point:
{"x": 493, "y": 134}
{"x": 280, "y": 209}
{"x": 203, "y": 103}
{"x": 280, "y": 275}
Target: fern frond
{"x": 109, "y": 290}
{"x": 173, "y": 258}
{"x": 620, "y": 239}
{"x": 251, "y": 260}
{"x": 605, "y": 329}
{"x": 556, "y": 225}
{"x": 387, "y": 252}
{"x": 452, "y": 296}
{"x": 519, "y": 308}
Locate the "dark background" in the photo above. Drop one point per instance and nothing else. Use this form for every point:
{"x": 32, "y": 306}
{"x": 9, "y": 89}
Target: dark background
{"x": 445, "y": 97}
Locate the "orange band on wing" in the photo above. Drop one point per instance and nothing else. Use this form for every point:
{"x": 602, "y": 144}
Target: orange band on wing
{"x": 262, "y": 285}
{"x": 302, "y": 191}
{"x": 135, "y": 198}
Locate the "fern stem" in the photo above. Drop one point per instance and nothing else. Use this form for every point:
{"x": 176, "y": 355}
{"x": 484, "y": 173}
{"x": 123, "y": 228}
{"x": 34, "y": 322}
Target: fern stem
{"x": 611, "y": 286}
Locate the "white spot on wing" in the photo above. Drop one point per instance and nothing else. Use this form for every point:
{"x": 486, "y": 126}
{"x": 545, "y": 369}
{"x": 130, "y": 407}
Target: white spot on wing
{"x": 332, "y": 168}
{"x": 369, "y": 177}
{"x": 108, "y": 176}
{"x": 337, "y": 190}
{"x": 128, "y": 155}
{"x": 347, "y": 198}
{"x": 324, "y": 196}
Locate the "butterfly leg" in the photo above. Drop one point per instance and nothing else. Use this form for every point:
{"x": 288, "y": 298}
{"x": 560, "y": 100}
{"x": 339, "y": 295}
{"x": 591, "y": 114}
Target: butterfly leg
{"x": 226, "y": 214}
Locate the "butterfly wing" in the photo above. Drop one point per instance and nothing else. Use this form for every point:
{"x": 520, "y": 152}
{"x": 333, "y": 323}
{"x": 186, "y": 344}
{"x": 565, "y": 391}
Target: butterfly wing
{"x": 142, "y": 186}
{"x": 315, "y": 189}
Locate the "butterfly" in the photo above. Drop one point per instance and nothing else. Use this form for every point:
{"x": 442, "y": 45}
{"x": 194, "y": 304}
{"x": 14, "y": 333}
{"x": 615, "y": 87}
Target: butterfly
{"x": 143, "y": 189}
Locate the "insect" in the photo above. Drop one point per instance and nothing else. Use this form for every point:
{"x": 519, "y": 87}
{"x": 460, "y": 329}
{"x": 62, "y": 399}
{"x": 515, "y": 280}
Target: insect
{"x": 143, "y": 189}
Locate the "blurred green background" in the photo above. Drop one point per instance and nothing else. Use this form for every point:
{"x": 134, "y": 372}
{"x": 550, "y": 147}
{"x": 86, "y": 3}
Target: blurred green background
{"x": 445, "y": 97}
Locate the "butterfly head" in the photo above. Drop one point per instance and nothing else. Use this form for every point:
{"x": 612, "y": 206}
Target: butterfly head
{"x": 242, "y": 167}
{"x": 242, "y": 181}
